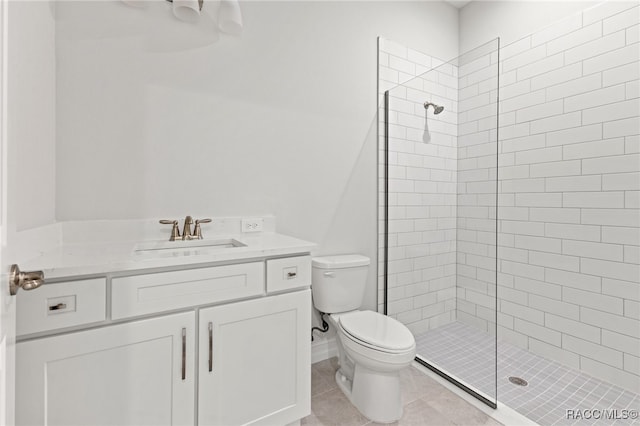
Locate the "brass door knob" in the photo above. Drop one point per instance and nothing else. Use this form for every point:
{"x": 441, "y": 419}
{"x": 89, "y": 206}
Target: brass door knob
{"x": 26, "y": 280}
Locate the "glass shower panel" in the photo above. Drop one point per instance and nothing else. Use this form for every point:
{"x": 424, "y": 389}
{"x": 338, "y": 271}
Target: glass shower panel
{"x": 441, "y": 149}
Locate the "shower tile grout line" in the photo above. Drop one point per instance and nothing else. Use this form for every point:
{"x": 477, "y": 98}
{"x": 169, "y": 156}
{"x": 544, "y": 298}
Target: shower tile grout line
{"x": 460, "y": 349}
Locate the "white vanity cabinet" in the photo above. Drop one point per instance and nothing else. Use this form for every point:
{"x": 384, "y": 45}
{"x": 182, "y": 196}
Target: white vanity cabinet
{"x": 255, "y": 361}
{"x": 125, "y": 374}
{"x": 137, "y": 349}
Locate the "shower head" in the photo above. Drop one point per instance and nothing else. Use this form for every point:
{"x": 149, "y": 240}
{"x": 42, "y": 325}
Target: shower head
{"x": 437, "y": 109}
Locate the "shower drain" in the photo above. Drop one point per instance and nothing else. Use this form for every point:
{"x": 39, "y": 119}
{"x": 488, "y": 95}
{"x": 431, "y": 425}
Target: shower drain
{"x": 518, "y": 381}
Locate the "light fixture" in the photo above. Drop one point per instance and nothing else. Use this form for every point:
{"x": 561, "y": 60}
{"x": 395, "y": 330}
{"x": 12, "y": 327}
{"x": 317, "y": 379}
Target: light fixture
{"x": 230, "y": 17}
{"x": 187, "y": 10}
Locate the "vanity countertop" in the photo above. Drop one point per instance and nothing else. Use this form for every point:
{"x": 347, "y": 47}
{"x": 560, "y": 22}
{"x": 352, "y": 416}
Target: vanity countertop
{"x": 82, "y": 259}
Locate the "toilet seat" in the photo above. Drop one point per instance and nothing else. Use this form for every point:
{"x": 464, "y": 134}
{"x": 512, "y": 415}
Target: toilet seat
{"x": 376, "y": 331}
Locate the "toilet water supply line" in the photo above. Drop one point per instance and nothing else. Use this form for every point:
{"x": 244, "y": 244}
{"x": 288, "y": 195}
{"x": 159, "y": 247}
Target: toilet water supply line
{"x": 325, "y": 326}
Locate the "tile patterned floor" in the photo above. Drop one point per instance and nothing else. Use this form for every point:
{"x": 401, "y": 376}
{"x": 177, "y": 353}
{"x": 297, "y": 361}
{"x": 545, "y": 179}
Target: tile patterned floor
{"x": 552, "y": 390}
{"x": 426, "y": 402}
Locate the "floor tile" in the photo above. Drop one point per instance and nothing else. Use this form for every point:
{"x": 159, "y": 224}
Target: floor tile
{"x": 426, "y": 402}
{"x": 418, "y": 413}
{"x": 321, "y": 382}
{"x": 333, "y": 408}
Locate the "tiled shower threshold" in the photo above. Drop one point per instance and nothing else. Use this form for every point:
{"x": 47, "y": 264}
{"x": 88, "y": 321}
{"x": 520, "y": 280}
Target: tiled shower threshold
{"x": 554, "y": 392}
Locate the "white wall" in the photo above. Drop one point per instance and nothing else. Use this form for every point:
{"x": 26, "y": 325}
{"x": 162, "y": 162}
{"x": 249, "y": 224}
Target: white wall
{"x": 31, "y": 114}
{"x": 281, "y": 120}
{"x": 569, "y": 181}
{"x": 421, "y": 274}
{"x": 481, "y": 21}
{"x": 476, "y": 201}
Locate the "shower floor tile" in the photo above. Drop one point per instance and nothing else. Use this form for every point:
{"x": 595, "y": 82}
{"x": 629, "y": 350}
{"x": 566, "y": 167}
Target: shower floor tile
{"x": 552, "y": 388}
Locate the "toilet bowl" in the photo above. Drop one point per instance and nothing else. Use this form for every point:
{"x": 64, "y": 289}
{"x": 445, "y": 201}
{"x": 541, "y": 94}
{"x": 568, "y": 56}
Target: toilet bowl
{"x": 372, "y": 348}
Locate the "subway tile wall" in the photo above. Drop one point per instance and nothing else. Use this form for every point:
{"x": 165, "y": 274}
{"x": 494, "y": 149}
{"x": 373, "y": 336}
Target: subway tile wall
{"x": 422, "y": 187}
{"x": 568, "y": 192}
{"x": 569, "y": 179}
{"x": 477, "y": 187}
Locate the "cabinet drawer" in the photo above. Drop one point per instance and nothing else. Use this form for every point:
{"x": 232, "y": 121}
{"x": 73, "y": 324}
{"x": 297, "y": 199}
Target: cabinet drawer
{"x": 288, "y": 273}
{"x": 145, "y": 294}
{"x": 61, "y": 305}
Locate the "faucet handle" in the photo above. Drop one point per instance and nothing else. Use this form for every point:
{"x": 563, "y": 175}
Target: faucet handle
{"x": 197, "y": 232}
{"x": 175, "y": 232}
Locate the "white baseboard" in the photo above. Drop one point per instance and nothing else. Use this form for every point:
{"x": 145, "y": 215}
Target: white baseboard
{"x": 322, "y": 349}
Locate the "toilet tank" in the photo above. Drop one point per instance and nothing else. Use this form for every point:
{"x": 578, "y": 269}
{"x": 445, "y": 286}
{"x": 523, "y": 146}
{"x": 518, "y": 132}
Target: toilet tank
{"x": 338, "y": 282}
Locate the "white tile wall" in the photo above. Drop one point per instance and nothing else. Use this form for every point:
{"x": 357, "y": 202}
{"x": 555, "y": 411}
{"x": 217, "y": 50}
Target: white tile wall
{"x": 477, "y": 188}
{"x": 568, "y": 189}
{"x": 582, "y": 100}
{"x": 422, "y": 226}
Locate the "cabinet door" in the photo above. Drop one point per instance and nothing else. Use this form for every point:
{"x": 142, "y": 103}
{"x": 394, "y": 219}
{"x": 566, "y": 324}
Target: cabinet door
{"x": 127, "y": 374}
{"x": 255, "y": 361}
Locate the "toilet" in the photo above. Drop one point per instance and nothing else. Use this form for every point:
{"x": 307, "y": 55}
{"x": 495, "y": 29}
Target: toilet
{"x": 372, "y": 347}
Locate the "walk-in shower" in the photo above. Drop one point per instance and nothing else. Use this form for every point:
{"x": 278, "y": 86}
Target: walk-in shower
{"x": 441, "y": 212}
{"x": 509, "y": 228}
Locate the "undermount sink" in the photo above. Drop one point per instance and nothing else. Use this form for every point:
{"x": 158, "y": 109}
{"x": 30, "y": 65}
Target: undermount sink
{"x": 185, "y": 248}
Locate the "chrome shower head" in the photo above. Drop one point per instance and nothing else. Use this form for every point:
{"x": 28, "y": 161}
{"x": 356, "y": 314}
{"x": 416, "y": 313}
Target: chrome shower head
{"x": 437, "y": 109}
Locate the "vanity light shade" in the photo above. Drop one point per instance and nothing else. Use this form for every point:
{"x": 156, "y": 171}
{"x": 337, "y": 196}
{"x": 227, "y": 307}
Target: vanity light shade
{"x": 186, "y": 10}
{"x": 230, "y": 17}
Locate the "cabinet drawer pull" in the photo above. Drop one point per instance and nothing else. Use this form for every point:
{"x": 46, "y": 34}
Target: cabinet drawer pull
{"x": 184, "y": 353}
{"x": 210, "y": 347}
{"x": 291, "y": 274}
{"x": 58, "y": 307}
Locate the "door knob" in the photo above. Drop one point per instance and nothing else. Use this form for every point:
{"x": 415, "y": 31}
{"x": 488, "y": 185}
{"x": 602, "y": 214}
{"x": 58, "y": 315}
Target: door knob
{"x": 26, "y": 280}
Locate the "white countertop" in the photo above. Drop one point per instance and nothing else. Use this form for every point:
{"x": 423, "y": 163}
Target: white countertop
{"x": 84, "y": 258}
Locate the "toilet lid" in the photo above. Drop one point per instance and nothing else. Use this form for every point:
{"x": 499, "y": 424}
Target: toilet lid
{"x": 377, "y": 330}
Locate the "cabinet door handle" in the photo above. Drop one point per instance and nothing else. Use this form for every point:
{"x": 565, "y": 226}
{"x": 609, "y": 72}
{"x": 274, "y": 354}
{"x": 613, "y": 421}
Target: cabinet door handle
{"x": 210, "y": 347}
{"x": 184, "y": 353}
